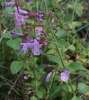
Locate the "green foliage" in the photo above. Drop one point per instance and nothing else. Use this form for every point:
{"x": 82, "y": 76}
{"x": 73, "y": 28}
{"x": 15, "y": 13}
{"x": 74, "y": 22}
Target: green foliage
{"x": 6, "y": 35}
{"x": 16, "y": 66}
{"x": 39, "y": 94}
{"x": 83, "y": 88}
{"x": 64, "y": 41}
{"x": 61, "y": 33}
{"x": 8, "y": 9}
{"x": 74, "y": 66}
{"x": 33, "y": 98}
{"x": 55, "y": 92}
{"x": 76, "y": 98}
{"x": 77, "y": 8}
{"x": 55, "y": 59}
{"x": 15, "y": 44}
{"x": 74, "y": 24}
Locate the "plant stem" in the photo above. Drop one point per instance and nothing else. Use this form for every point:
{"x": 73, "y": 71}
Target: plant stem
{"x": 48, "y": 20}
{"x": 53, "y": 36}
{"x": 60, "y": 56}
{"x": 58, "y": 51}
{"x": 48, "y": 93}
{"x": 60, "y": 23}
{"x": 71, "y": 87}
{"x": 74, "y": 10}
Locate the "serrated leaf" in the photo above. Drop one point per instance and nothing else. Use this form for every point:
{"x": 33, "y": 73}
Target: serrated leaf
{"x": 79, "y": 10}
{"x": 39, "y": 94}
{"x": 55, "y": 59}
{"x": 51, "y": 51}
{"x": 72, "y": 47}
{"x": 75, "y": 66}
{"x": 83, "y": 88}
{"x": 74, "y": 24}
{"x": 33, "y": 98}
{"x": 65, "y": 87}
{"x": 15, "y": 44}
{"x": 6, "y": 35}
{"x": 55, "y": 92}
{"x": 36, "y": 83}
{"x": 62, "y": 42}
{"x": 70, "y": 6}
{"x": 61, "y": 33}
{"x": 76, "y": 98}
{"x": 16, "y": 66}
{"x": 8, "y": 9}
{"x": 74, "y": 88}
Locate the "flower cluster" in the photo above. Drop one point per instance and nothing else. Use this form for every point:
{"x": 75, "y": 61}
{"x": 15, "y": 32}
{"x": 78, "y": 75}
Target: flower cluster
{"x": 36, "y": 47}
{"x": 64, "y": 75}
{"x": 29, "y": 43}
{"x": 20, "y": 15}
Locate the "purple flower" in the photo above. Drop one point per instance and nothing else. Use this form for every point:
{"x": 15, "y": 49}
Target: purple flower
{"x": 39, "y": 18}
{"x": 53, "y": 21}
{"x": 26, "y": 46}
{"x": 48, "y": 76}
{"x": 19, "y": 20}
{"x": 38, "y": 38}
{"x": 20, "y": 11}
{"x": 25, "y": 77}
{"x": 28, "y": 0}
{"x": 39, "y": 30}
{"x": 31, "y": 43}
{"x": 36, "y": 50}
{"x": 65, "y": 75}
{"x": 8, "y": 3}
{"x": 29, "y": 40}
{"x": 16, "y": 34}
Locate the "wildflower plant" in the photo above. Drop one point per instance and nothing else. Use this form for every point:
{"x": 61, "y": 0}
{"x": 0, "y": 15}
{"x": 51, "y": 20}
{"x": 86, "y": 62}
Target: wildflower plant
{"x": 43, "y": 36}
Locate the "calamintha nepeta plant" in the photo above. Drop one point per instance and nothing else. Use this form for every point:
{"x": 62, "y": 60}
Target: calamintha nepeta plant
{"x": 41, "y": 39}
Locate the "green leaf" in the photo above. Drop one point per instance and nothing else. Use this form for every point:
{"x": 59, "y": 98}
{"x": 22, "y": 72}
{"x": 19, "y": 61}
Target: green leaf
{"x": 74, "y": 24}
{"x": 55, "y": 59}
{"x": 16, "y": 66}
{"x": 39, "y": 94}
{"x": 15, "y": 44}
{"x": 76, "y": 98}
{"x": 75, "y": 66}
{"x": 83, "y": 88}
{"x": 74, "y": 88}
{"x": 36, "y": 83}
{"x": 65, "y": 87}
{"x": 79, "y": 10}
{"x": 72, "y": 47}
{"x": 6, "y": 35}
{"x": 61, "y": 33}
{"x": 33, "y": 98}
{"x": 30, "y": 21}
{"x": 62, "y": 42}
{"x": 51, "y": 51}
{"x": 8, "y": 9}
{"x": 55, "y": 92}
{"x": 70, "y": 6}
